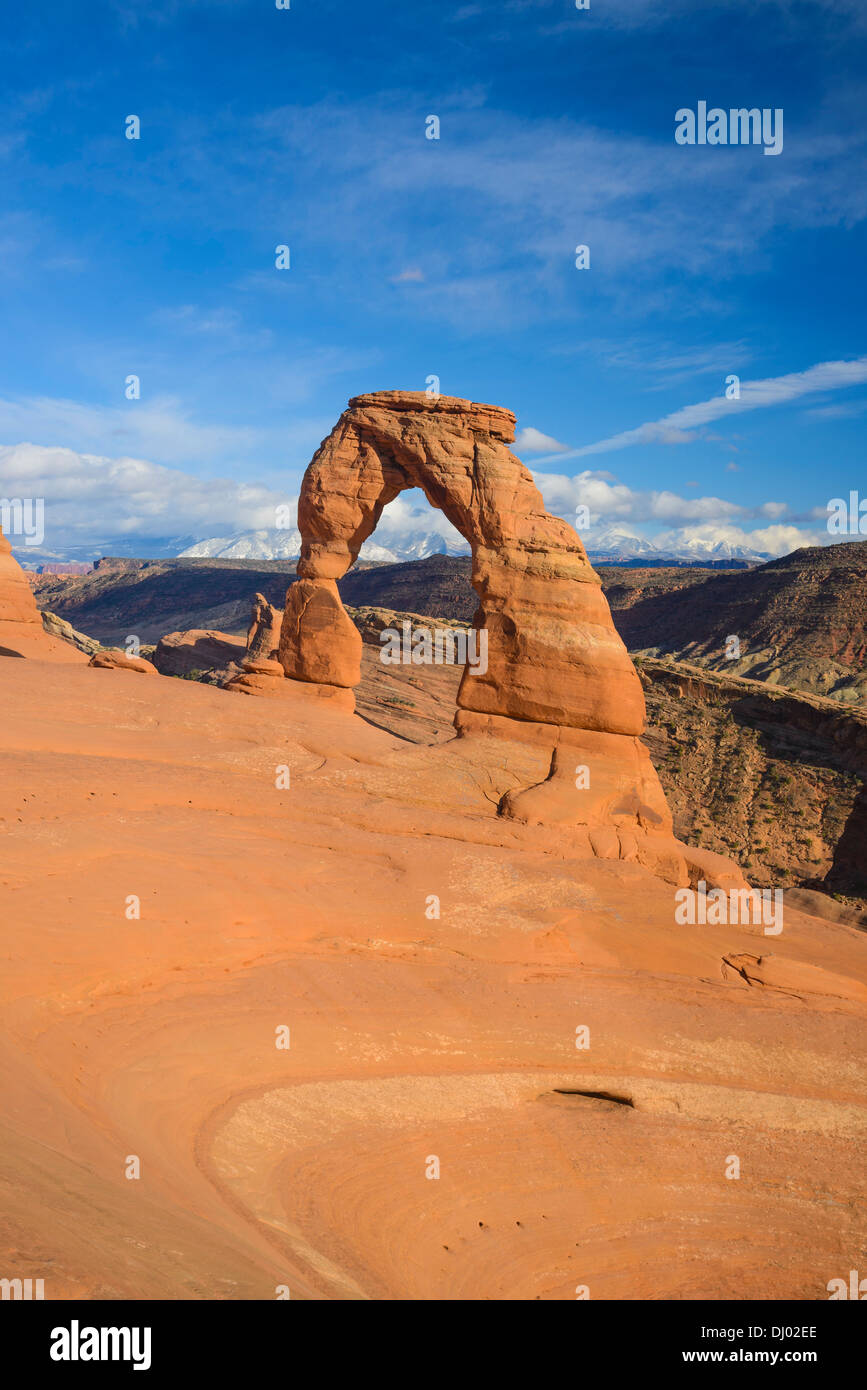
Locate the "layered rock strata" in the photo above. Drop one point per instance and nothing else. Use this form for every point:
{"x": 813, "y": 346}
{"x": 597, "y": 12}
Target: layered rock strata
{"x": 555, "y": 672}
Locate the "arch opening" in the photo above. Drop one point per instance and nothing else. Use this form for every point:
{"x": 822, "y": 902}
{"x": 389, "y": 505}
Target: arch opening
{"x": 553, "y": 655}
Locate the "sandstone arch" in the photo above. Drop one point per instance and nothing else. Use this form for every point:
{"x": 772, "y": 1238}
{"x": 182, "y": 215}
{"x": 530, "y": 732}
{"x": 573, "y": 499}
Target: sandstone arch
{"x": 554, "y": 656}
{"x": 558, "y": 675}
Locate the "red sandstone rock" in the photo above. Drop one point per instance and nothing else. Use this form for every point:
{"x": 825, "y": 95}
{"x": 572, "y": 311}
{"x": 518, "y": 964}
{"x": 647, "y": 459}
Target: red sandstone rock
{"x": 557, "y": 671}
{"x": 605, "y": 779}
{"x": 21, "y": 631}
{"x": 553, "y": 653}
{"x": 17, "y": 603}
{"x": 307, "y": 905}
{"x": 121, "y": 661}
{"x": 797, "y": 978}
{"x": 263, "y": 634}
{"x": 262, "y": 679}
{"x": 319, "y": 642}
{"x": 199, "y": 649}
{"x": 261, "y": 672}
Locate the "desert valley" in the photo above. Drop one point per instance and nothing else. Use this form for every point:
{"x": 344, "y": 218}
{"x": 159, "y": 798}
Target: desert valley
{"x": 331, "y": 979}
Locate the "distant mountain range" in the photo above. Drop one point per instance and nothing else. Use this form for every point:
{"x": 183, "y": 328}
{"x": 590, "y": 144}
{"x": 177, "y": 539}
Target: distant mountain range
{"x": 798, "y": 622}
{"x": 30, "y": 557}
{"x": 617, "y": 543}
{"x": 285, "y": 544}
{"x": 612, "y": 544}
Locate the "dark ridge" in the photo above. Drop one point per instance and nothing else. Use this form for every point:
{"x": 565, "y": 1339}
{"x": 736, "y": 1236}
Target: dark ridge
{"x": 807, "y": 604}
{"x": 596, "y": 1095}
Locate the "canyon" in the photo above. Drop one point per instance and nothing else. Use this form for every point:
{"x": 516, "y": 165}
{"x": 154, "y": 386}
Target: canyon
{"x": 512, "y": 1074}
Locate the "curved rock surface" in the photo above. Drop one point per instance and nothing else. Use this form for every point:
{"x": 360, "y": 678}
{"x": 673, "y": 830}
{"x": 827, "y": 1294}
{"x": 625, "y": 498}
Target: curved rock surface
{"x": 555, "y": 671}
{"x": 413, "y": 1032}
{"x": 21, "y": 631}
{"x": 199, "y": 649}
{"x": 59, "y": 627}
{"x": 553, "y": 653}
{"x": 263, "y": 634}
{"x": 261, "y": 672}
{"x": 112, "y": 660}
{"x": 17, "y": 603}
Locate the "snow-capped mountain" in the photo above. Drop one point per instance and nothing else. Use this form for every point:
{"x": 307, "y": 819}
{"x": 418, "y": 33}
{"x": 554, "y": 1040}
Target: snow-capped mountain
{"x": 248, "y": 545}
{"x": 708, "y": 543}
{"x": 619, "y": 543}
{"x": 607, "y": 544}
{"x": 285, "y": 544}
{"x": 697, "y": 549}
{"x": 418, "y": 546}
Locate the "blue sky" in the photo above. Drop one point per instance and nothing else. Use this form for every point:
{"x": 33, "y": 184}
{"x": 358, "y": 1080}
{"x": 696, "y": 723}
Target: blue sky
{"x": 413, "y": 257}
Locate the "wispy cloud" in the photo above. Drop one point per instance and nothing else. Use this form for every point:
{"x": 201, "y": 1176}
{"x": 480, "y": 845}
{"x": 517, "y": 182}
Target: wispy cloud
{"x": 412, "y": 276}
{"x": 669, "y": 364}
{"x": 532, "y": 441}
{"x": 650, "y": 14}
{"x": 767, "y": 540}
{"x": 163, "y": 429}
{"x": 506, "y": 186}
{"x": 682, "y": 425}
{"x": 90, "y": 499}
{"x": 94, "y": 501}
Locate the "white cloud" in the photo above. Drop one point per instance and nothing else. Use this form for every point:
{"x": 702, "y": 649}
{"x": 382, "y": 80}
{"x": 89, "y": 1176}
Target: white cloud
{"x": 92, "y": 500}
{"x": 535, "y": 442}
{"x": 704, "y": 520}
{"x": 681, "y": 426}
{"x": 768, "y": 540}
{"x": 669, "y": 363}
{"x": 89, "y": 497}
{"x": 411, "y": 512}
{"x": 609, "y": 500}
{"x": 162, "y": 429}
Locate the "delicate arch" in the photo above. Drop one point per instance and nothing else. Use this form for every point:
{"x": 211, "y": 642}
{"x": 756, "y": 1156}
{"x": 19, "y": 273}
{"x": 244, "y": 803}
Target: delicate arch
{"x": 554, "y": 655}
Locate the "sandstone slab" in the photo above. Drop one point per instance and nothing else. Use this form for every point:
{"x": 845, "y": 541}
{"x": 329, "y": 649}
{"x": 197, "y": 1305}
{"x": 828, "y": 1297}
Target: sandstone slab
{"x": 554, "y": 654}
{"x": 21, "y": 629}
{"x": 198, "y": 650}
{"x": 555, "y": 668}
{"x": 121, "y": 661}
